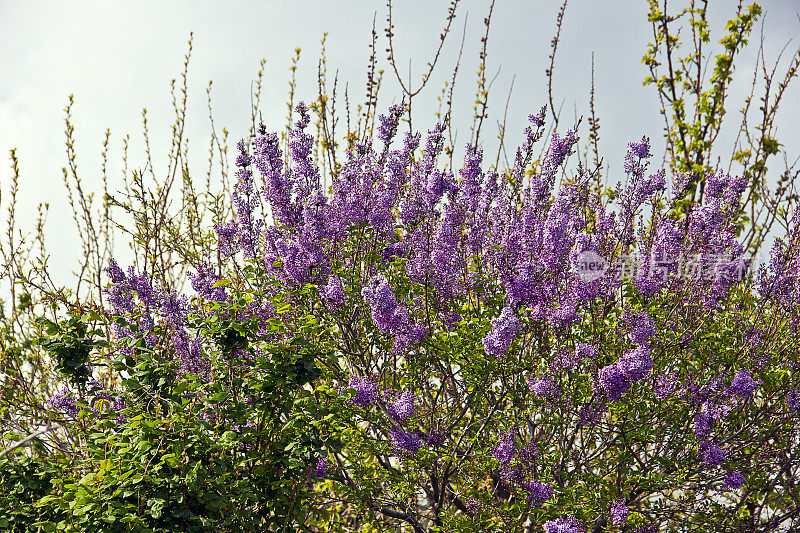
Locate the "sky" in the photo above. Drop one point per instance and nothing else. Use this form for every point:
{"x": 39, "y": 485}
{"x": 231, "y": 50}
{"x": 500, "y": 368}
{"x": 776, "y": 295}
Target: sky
{"x": 119, "y": 57}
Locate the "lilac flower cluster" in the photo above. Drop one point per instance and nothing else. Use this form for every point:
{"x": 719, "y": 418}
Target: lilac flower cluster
{"x": 538, "y": 493}
{"x": 334, "y": 293}
{"x": 569, "y": 524}
{"x": 321, "y": 468}
{"x": 641, "y": 327}
{"x": 366, "y": 391}
{"x": 712, "y": 454}
{"x": 504, "y": 450}
{"x": 402, "y": 408}
{"x": 616, "y": 378}
{"x": 619, "y": 512}
{"x": 792, "y": 400}
{"x": 63, "y": 402}
{"x": 504, "y": 329}
{"x": 406, "y": 442}
{"x": 203, "y": 282}
{"x": 389, "y": 316}
{"x": 743, "y": 385}
{"x": 472, "y": 505}
{"x": 134, "y": 297}
{"x": 733, "y": 480}
{"x": 544, "y": 387}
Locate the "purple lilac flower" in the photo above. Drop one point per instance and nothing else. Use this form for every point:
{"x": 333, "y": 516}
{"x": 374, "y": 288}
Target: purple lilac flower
{"x": 278, "y": 187}
{"x": 321, "y": 468}
{"x": 388, "y": 123}
{"x": 543, "y": 387}
{"x": 529, "y": 453}
{"x": 434, "y": 438}
{"x": 227, "y": 234}
{"x": 504, "y": 450}
{"x": 664, "y": 258}
{"x": 703, "y": 422}
{"x": 314, "y": 228}
{"x": 743, "y": 385}
{"x": 590, "y": 414}
{"x": 569, "y": 524}
{"x": 617, "y": 378}
{"x": 64, "y": 403}
{"x": 472, "y": 505}
{"x": 386, "y": 313}
{"x": 300, "y": 145}
{"x": 366, "y": 391}
{"x": 450, "y": 320}
{"x": 190, "y": 354}
{"x": 504, "y": 329}
{"x": 713, "y": 455}
{"x": 174, "y": 309}
{"x": 560, "y": 148}
{"x": 619, "y": 512}
{"x": 666, "y": 385}
{"x": 640, "y": 149}
{"x": 120, "y": 295}
{"x": 638, "y": 363}
{"x": 333, "y": 292}
{"x": 447, "y": 241}
{"x": 245, "y": 201}
{"x": 538, "y": 493}
{"x": 584, "y": 352}
{"x": 403, "y": 407}
{"x": 405, "y": 442}
{"x": 793, "y": 399}
{"x": 641, "y": 327}
{"x": 203, "y": 283}
{"x": 733, "y": 480}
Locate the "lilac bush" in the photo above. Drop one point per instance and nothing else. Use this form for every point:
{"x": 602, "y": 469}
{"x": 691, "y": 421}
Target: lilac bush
{"x": 495, "y": 374}
{"x": 435, "y": 348}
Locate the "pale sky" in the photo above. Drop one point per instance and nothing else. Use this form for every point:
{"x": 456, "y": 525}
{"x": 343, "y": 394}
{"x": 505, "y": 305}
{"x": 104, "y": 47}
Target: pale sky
{"x": 118, "y": 57}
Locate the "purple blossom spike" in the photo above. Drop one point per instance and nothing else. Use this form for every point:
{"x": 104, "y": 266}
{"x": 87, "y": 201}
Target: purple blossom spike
{"x": 434, "y": 438}
{"x": 703, "y": 423}
{"x": 569, "y": 524}
{"x": 203, "y": 283}
{"x": 63, "y": 402}
{"x": 403, "y": 407}
{"x": 543, "y": 387}
{"x": 388, "y": 123}
{"x": 584, "y": 352}
{"x": 366, "y": 391}
{"x": 321, "y": 468}
{"x": 504, "y": 329}
{"x": 278, "y": 185}
{"x": 733, "y": 480}
{"x": 538, "y": 493}
{"x": 713, "y": 455}
{"x": 504, "y": 450}
{"x": 616, "y": 378}
{"x": 614, "y": 381}
{"x": 333, "y": 292}
{"x": 405, "y": 443}
{"x": 383, "y": 304}
{"x": 666, "y": 385}
{"x": 472, "y": 505}
{"x": 793, "y": 400}
{"x": 619, "y": 512}
{"x": 638, "y": 363}
{"x": 743, "y": 385}
{"x": 641, "y": 327}
{"x": 227, "y": 233}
